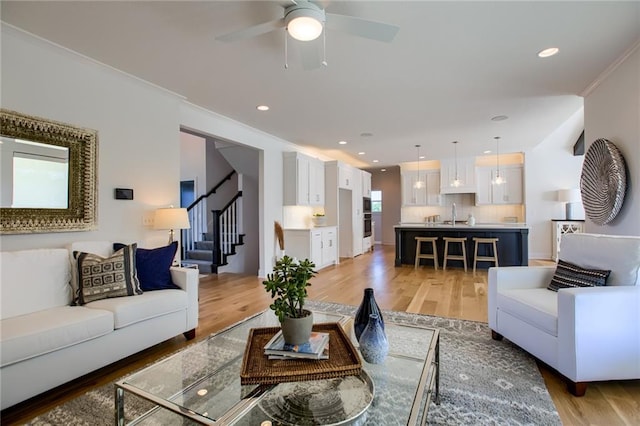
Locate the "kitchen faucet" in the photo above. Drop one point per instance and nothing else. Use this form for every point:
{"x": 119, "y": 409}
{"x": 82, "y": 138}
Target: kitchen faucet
{"x": 453, "y": 214}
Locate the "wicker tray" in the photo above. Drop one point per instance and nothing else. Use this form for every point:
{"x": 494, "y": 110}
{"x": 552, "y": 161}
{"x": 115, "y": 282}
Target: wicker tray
{"x": 257, "y": 368}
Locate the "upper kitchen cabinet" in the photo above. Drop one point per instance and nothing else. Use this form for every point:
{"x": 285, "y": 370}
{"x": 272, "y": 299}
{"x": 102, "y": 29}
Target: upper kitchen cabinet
{"x": 421, "y": 188}
{"x": 509, "y": 192}
{"x": 366, "y": 184}
{"x": 466, "y": 173}
{"x": 303, "y": 180}
{"x": 346, "y": 176}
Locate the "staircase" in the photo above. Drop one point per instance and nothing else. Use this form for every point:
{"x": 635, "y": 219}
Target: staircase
{"x": 213, "y": 237}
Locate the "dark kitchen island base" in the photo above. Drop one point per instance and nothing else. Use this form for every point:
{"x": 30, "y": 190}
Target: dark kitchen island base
{"x": 513, "y": 249}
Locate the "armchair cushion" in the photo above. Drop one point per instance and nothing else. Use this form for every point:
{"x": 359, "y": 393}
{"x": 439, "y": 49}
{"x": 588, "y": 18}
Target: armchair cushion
{"x": 568, "y": 275}
{"x": 620, "y": 254}
{"x": 535, "y": 306}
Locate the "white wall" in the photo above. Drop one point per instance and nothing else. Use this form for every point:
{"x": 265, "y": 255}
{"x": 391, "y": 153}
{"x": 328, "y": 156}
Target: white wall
{"x": 139, "y": 139}
{"x": 612, "y": 111}
{"x": 138, "y": 133}
{"x": 550, "y": 166}
{"x": 192, "y": 164}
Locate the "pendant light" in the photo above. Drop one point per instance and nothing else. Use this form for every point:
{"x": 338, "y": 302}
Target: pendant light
{"x": 456, "y": 182}
{"x": 498, "y": 180}
{"x": 418, "y": 183}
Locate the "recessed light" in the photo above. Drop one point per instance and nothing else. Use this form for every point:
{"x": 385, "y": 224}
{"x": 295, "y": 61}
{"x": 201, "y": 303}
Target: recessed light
{"x": 366, "y": 134}
{"x": 499, "y": 118}
{"x": 383, "y": 170}
{"x": 262, "y": 108}
{"x": 361, "y": 153}
{"x": 421, "y": 157}
{"x": 202, "y": 392}
{"x": 375, "y": 161}
{"x": 548, "y": 52}
{"x": 488, "y": 151}
{"x": 342, "y": 142}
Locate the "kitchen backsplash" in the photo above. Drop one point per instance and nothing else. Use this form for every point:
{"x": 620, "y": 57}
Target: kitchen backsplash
{"x": 465, "y": 204}
{"x": 298, "y": 217}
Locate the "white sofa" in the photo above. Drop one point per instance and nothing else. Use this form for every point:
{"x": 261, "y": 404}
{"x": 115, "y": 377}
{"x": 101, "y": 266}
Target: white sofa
{"x": 586, "y": 334}
{"x": 45, "y": 342}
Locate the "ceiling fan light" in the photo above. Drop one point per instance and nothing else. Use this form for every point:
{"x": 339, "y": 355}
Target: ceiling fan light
{"x": 304, "y": 22}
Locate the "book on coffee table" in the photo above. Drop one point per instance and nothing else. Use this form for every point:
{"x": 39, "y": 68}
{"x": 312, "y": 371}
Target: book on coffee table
{"x": 323, "y": 355}
{"x": 313, "y": 349}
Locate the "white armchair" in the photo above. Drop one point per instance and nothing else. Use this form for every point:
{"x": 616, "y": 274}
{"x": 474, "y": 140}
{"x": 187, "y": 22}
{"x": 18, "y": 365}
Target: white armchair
{"x": 586, "y": 334}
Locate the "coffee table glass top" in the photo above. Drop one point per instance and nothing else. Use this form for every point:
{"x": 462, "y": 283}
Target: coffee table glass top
{"x": 202, "y": 383}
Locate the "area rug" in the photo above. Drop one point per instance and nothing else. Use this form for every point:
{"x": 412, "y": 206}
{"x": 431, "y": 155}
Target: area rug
{"x": 482, "y": 382}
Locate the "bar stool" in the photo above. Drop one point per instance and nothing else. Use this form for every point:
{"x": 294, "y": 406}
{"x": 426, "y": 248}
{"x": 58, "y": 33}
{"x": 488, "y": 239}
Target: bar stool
{"x": 447, "y": 255}
{"x": 434, "y": 251}
{"x": 477, "y": 258}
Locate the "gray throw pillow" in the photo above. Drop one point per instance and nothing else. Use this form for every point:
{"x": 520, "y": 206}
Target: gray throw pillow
{"x": 568, "y": 275}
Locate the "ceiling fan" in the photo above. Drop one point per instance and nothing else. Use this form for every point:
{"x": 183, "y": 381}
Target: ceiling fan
{"x": 305, "y": 21}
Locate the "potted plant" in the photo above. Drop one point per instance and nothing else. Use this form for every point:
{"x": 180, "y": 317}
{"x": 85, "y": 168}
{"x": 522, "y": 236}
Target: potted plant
{"x": 319, "y": 219}
{"x": 288, "y": 286}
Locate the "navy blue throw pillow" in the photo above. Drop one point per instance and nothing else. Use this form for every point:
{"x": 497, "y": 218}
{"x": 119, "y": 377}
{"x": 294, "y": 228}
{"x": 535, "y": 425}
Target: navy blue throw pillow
{"x": 153, "y": 265}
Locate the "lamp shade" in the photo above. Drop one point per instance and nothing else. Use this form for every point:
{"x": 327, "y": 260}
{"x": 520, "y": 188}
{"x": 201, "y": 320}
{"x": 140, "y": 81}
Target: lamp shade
{"x": 569, "y": 195}
{"x": 171, "y": 218}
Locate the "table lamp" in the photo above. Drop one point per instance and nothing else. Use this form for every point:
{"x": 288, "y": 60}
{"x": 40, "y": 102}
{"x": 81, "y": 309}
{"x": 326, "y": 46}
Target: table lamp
{"x": 171, "y": 218}
{"x": 571, "y": 197}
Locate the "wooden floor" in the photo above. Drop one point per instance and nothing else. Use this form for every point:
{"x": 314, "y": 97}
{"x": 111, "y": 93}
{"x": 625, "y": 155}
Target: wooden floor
{"x": 229, "y": 298}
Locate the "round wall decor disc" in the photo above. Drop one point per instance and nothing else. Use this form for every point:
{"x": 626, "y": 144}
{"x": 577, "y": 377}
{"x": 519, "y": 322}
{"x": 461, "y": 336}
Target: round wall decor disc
{"x": 603, "y": 181}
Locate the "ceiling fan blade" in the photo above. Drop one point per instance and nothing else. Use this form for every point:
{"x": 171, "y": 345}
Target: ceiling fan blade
{"x": 362, "y": 27}
{"x": 250, "y": 32}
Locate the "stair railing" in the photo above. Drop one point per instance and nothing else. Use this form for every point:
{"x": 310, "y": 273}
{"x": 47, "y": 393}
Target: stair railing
{"x": 227, "y": 231}
{"x": 198, "y": 217}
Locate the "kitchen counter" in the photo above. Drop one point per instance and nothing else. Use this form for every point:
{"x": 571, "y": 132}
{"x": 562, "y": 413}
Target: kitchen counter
{"x": 513, "y": 244}
{"x": 502, "y": 225}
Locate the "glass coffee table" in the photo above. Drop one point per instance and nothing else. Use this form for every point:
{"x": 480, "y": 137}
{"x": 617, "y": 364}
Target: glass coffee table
{"x": 201, "y": 384}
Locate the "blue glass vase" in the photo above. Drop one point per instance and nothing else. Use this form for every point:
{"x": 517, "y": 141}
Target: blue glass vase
{"x": 374, "y": 345}
{"x": 366, "y": 308}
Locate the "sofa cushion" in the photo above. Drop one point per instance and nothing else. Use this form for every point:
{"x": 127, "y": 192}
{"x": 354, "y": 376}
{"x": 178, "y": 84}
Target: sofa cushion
{"x": 33, "y": 280}
{"x": 100, "y": 277}
{"x": 620, "y": 254}
{"x": 568, "y": 275}
{"x": 535, "y": 306}
{"x": 130, "y": 310}
{"x": 38, "y": 333}
{"x": 153, "y": 266}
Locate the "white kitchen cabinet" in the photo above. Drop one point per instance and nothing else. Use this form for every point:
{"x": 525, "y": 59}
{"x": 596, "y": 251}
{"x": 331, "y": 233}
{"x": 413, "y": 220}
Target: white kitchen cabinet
{"x": 316, "y": 182}
{"x": 366, "y": 184}
{"x": 428, "y": 194}
{"x": 316, "y": 244}
{"x": 509, "y": 192}
{"x": 466, "y": 168}
{"x": 345, "y": 176}
{"x": 303, "y": 180}
{"x": 358, "y": 214}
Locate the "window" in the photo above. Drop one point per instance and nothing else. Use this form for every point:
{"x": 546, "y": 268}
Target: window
{"x": 376, "y": 201}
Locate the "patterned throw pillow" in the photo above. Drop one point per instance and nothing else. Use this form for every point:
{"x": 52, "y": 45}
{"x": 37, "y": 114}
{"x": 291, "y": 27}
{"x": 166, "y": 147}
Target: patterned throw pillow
{"x": 101, "y": 278}
{"x": 568, "y": 275}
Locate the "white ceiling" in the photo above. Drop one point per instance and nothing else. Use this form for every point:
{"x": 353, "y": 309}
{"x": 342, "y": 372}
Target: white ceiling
{"x": 451, "y": 67}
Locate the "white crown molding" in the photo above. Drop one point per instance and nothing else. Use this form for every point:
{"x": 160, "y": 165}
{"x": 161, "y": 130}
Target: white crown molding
{"x": 609, "y": 70}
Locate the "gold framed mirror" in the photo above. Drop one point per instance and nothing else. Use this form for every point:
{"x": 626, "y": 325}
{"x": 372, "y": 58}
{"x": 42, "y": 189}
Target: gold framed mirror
{"x": 78, "y": 149}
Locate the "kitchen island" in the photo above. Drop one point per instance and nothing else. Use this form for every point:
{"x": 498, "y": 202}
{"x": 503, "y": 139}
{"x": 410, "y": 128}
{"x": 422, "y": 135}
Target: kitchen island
{"x": 513, "y": 245}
